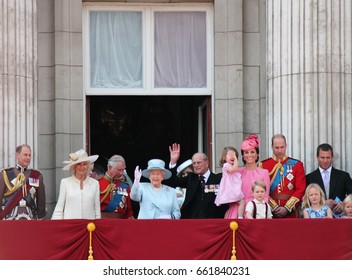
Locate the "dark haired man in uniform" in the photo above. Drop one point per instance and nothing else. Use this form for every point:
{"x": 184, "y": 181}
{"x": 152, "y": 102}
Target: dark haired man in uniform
{"x": 22, "y": 190}
{"x": 288, "y": 181}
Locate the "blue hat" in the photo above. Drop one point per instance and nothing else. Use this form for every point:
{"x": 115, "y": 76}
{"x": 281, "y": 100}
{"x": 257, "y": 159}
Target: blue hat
{"x": 156, "y": 164}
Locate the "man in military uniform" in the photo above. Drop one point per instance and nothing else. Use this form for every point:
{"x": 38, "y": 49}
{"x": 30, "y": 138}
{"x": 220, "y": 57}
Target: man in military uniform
{"x": 115, "y": 201}
{"x": 22, "y": 190}
{"x": 287, "y": 177}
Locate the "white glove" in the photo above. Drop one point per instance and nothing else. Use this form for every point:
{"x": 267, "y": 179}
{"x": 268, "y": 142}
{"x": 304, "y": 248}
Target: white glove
{"x": 137, "y": 176}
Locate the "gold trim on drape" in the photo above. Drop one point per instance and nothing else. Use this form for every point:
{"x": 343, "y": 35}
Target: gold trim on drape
{"x": 233, "y": 226}
{"x": 90, "y": 228}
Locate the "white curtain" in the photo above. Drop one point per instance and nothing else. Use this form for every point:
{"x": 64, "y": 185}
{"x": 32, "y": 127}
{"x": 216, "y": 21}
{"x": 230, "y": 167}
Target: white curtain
{"x": 180, "y": 50}
{"x": 116, "y": 49}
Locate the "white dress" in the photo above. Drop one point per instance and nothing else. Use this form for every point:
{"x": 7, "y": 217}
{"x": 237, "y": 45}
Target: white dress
{"x": 74, "y": 203}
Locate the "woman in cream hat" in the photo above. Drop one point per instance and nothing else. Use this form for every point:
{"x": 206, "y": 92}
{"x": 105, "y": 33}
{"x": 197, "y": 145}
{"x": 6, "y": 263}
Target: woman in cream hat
{"x": 79, "y": 193}
{"x": 156, "y": 200}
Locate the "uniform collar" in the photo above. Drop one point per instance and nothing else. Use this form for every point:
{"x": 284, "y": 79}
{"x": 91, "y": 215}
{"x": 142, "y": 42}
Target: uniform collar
{"x": 20, "y": 168}
{"x": 108, "y": 178}
{"x": 280, "y": 160}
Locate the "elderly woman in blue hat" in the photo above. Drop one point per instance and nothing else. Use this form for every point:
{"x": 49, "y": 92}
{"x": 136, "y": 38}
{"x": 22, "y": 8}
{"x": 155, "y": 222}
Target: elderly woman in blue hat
{"x": 156, "y": 200}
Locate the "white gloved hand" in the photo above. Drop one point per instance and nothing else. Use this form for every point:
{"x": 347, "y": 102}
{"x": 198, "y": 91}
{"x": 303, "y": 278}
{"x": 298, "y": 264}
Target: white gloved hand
{"x": 137, "y": 175}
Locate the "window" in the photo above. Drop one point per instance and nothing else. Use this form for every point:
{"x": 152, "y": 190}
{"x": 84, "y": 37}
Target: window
{"x": 151, "y": 49}
{"x": 115, "y": 49}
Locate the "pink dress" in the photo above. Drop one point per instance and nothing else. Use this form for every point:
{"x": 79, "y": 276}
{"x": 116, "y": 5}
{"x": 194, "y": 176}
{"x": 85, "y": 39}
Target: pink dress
{"x": 249, "y": 176}
{"x": 230, "y": 186}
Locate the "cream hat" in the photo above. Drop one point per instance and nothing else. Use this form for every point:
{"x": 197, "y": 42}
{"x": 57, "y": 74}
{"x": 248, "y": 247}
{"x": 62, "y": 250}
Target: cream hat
{"x": 156, "y": 164}
{"x": 77, "y": 157}
{"x": 183, "y": 166}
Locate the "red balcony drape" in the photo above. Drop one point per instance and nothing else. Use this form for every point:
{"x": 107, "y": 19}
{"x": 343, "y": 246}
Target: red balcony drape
{"x": 207, "y": 239}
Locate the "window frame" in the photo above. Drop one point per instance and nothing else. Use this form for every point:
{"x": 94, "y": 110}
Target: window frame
{"x": 147, "y": 11}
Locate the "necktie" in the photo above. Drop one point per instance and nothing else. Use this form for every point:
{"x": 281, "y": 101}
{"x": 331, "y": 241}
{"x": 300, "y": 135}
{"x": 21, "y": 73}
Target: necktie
{"x": 326, "y": 180}
{"x": 202, "y": 181}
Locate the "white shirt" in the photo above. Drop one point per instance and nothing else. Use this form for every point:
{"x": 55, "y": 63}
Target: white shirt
{"x": 260, "y": 209}
{"x": 327, "y": 186}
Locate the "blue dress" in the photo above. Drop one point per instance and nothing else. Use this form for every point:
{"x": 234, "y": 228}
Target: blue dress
{"x": 318, "y": 214}
{"x": 156, "y": 203}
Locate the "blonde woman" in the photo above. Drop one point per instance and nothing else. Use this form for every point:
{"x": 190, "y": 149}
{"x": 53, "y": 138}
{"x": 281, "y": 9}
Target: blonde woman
{"x": 79, "y": 193}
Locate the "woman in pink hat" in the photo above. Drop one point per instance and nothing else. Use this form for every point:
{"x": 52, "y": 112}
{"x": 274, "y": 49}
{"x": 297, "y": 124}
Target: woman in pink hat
{"x": 250, "y": 173}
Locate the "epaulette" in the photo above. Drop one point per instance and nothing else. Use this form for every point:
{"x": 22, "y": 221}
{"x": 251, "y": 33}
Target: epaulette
{"x": 7, "y": 169}
{"x": 293, "y": 159}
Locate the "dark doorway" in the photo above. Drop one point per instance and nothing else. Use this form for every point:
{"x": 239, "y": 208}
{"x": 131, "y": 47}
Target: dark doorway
{"x": 142, "y": 127}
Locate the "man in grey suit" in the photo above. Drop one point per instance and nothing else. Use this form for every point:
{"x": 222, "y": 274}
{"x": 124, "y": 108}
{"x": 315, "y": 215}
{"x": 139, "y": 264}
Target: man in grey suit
{"x": 335, "y": 183}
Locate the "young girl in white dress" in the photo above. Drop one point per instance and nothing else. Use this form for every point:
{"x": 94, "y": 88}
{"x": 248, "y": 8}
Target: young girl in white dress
{"x": 230, "y": 185}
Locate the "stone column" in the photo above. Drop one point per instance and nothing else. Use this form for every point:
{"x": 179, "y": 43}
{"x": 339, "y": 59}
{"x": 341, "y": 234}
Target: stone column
{"x": 18, "y": 78}
{"x": 309, "y": 77}
{"x": 228, "y": 69}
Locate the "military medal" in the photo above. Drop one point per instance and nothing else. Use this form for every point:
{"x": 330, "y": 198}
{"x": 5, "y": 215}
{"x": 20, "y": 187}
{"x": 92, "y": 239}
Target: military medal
{"x": 290, "y": 186}
{"x": 289, "y": 176}
{"x": 289, "y": 168}
{"x": 33, "y": 182}
{"x": 32, "y": 191}
{"x": 211, "y": 188}
{"x": 22, "y": 203}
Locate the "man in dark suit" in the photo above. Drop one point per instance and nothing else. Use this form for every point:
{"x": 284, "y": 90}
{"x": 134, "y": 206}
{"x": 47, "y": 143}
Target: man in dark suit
{"x": 202, "y": 186}
{"x": 335, "y": 183}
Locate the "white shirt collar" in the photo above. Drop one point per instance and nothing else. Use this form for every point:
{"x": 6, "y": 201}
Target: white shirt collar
{"x": 322, "y": 170}
{"x": 78, "y": 181}
{"x": 258, "y": 202}
{"x": 206, "y": 175}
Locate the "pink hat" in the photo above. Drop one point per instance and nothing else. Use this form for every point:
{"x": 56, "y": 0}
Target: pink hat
{"x": 251, "y": 142}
